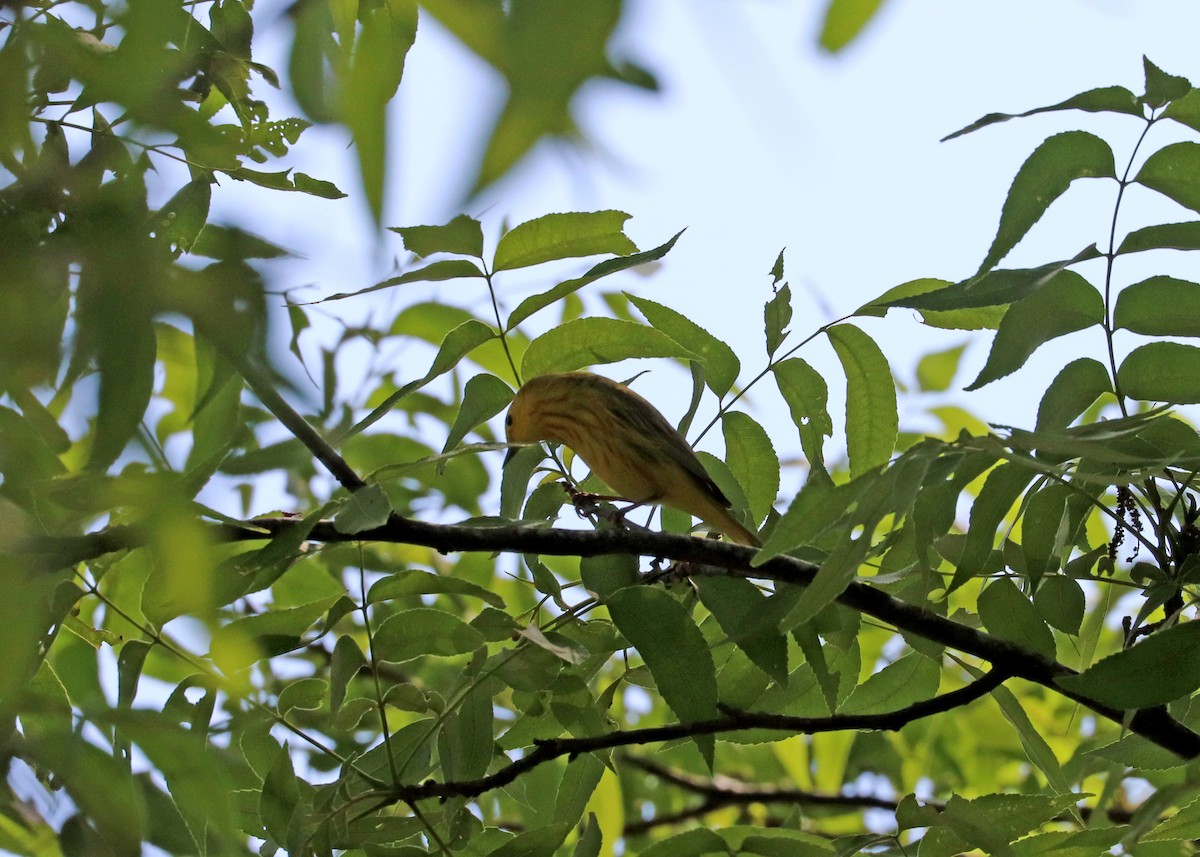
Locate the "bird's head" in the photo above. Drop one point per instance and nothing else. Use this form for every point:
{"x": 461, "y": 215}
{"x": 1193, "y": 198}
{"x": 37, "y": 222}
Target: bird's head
{"x": 522, "y": 425}
{"x": 545, "y": 408}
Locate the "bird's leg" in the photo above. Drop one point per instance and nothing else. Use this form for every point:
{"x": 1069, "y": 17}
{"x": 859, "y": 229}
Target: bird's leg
{"x": 586, "y": 503}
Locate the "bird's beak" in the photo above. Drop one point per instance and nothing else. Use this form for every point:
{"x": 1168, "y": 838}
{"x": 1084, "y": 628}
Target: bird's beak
{"x": 508, "y": 456}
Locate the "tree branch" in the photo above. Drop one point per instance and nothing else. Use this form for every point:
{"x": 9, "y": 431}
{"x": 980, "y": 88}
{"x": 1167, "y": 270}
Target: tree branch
{"x": 721, "y": 791}
{"x": 264, "y": 387}
{"x": 731, "y": 721}
{"x": 708, "y": 557}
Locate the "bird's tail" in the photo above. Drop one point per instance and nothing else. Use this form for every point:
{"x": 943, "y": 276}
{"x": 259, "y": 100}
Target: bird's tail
{"x": 723, "y": 520}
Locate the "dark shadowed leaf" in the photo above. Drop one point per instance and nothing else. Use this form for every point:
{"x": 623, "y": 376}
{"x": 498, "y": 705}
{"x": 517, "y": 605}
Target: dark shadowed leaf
{"x": 674, "y": 650}
{"x": 1044, "y": 177}
{"x": 1159, "y": 669}
{"x": 1166, "y": 372}
{"x": 1174, "y": 171}
{"x": 1159, "y": 306}
{"x": 424, "y": 631}
{"x": 1066, "y": 303}
{"x": 1108, "y": 99}
{"x": 1006, "y": 612}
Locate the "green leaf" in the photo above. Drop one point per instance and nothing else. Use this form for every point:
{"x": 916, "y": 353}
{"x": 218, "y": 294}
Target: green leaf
{"x": 200, "y": 781}
{"x": 424, "y": 631}
{"x": 807, "y": 397}
{"x": 458, "y": 344}
{"x": 129, "y": 670}
{"x": 578, "y": 783}
{"x": 871, "y": 415}
{"x": 1163, "y": 236}
{"x": 818, "y": 505}
{"x": 306, "y": 694}
{"x": 776, "y": 273}
{"x": 275, "y": 631}
{"x": 412, "y": 583}
{"x": 691, "y": 843}
{"x": 1061, "y": 602}
{"x": 1072, "y": 392}
{"x": 1185, "y": 110}
{"x": 1044, "y": 177}
{"x": 674, "y": 651}
{"x": 936, "y": 371}
{"x": 590, "y": 341}
{"x": 434, "y": 272}
{"x": 1007, "y": 613}
{"x": 590, "y": 839}
{"x": 466, "y": 743}
{"x": 1035, "y": 746}
{"x": 280, "y": 797}
{"x": 778, "y": 841}
{"x": 463, "y": 235}
{"x": 1000, "y": 491}
{"x": 1108, "y": 99}
{"x": 1185, "y": 824}
{"x": 100, "y": 786}
{"x": 777, "y": 315}
{"x": 1159, "y": 306}
{"x": 1165, "y": 372}
{"x": 1066, "y": 303}
{"x": 1174, "y": 171}
{"x": 605, "y": 574}
{"x": 721, "y": 365}
{"x": 539, "y": 842}
{"x": 534, "y": 303}
{"x": 1003, "y": 286}
{"x": 1044, "y": 531}
{"x": 126, "y": 353}
{"x": 228, "y": 243}
{"x": 911, "y": 679}
{"x": 563, "y": 236}
{"x": 217, "y": 415}
{"x": 1162, "y": 667}
{"x": 844, "y": 20}
{"x": 184, "y": 216}
{"x": 365, "y": 509}
{"x": 753, "y": 461}
{"x": 737, "y": 604}
{"x": 484, "y": 396}
{"x": 836, "y": 573}
{"x": 1134, "y": 751}
{"x": 386, "y": 33}
{"x": 1162, "y": 87}
{"x": 345, "y": 663}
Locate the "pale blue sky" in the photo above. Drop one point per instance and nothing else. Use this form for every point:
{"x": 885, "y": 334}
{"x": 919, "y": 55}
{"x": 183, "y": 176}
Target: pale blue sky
{"x": 760, "y": 141}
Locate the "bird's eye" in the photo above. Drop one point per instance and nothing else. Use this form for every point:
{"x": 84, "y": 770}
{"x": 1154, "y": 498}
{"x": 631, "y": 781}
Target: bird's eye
{"x": 508, "y": 420}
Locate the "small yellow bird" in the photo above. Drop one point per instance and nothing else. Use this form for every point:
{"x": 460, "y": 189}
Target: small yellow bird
{"x": 625, "y": 441}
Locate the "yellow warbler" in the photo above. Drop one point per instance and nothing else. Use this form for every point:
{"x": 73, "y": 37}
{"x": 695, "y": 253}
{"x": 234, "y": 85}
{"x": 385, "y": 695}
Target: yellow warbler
{"x": 625, "y": 441}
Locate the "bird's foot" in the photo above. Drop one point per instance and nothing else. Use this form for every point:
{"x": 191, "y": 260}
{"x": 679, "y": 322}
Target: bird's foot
{"x": 588, "y": 505}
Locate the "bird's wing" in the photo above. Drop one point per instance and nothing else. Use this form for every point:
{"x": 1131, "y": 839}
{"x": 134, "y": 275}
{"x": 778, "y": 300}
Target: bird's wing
{"x": 662, "y": 438}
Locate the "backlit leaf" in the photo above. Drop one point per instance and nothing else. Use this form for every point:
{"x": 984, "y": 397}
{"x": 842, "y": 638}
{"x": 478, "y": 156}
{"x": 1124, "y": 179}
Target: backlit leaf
{"x": 592, "y": 341}
{"x": 563, "y": 236}
{"x": 871, "y": 414}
